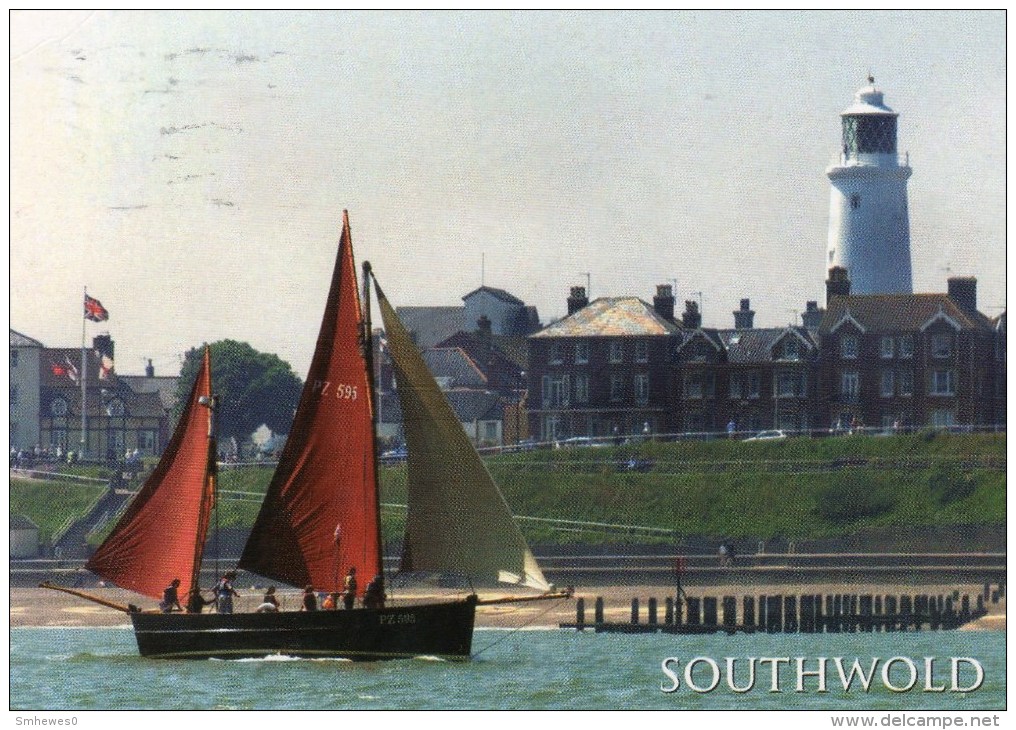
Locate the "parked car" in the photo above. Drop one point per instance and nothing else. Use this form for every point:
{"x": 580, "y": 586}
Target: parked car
{"x": 767, "y": 436}
{"x": 394, "y": 456}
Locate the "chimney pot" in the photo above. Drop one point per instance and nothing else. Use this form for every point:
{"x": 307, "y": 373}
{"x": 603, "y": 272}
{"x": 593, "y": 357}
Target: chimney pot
{"x": 744, "y": 318}
{"x": 663, "y": 302}
{"x": 692, "y": 318}
{"x": 577, "y": 300}
{"x": 838, "y": 283}
{"x": 963, "y": 291}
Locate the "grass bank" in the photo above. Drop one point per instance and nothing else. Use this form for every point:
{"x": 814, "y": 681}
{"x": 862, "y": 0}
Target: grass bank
{"x": 797, "y": 488}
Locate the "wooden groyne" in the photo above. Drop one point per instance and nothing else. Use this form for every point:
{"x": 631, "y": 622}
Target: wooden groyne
{"x": 799, "y": 613}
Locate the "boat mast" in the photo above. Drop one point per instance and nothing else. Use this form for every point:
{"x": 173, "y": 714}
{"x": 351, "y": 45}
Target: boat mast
{"x": 368, "y": 354}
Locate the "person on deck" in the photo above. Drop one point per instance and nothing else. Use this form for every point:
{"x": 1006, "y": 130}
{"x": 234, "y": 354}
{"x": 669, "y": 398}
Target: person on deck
{"x": 224, "y": 593}
{"x": 171, "y": 597}
{"x": 269, "y": 604}
{"x": 309, "y": 599}
{"x": 331, "y": 602}
{"x": 374, "y": 596}
{"x": 349, "y": 592}
{"x": 196, "y": 602}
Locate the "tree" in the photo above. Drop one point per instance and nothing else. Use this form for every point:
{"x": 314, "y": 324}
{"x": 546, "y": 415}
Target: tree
{"x": 254, "y": 388}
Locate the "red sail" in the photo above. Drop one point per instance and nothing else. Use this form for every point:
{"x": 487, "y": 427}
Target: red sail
{"x": 162, "y": 534}
{"x": 320, "y": 516}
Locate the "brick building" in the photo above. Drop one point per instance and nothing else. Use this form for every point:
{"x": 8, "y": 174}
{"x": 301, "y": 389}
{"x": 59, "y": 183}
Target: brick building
{"x": 907, "y": 360}
{"x": 604, "y": 370}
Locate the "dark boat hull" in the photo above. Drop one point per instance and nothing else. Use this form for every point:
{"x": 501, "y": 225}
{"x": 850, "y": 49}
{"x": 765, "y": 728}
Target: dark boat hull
{"x": 437, "y": 629}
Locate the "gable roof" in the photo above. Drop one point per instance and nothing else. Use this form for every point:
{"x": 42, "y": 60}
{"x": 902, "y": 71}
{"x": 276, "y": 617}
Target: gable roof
{"x": 20, "y": 340}
{"x": 164, "y": 385}
{"x": 454, "y": 363}
{"x": 498, "y": 293}
{"x": 896, "y": 312}
{"x": 431, "y": 325}
{"x": 756, "y": 345}
{"x": 611, "y": 317}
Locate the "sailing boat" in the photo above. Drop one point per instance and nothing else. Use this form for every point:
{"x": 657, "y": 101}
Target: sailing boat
{"x": 321, "y": 513}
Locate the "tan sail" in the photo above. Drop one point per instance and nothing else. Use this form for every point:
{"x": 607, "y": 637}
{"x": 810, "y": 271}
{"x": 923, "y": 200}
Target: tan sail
{"x": 458, "y": 519}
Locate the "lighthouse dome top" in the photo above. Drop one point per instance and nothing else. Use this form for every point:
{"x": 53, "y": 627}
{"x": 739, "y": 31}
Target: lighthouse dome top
{"x": 868, "y": 100}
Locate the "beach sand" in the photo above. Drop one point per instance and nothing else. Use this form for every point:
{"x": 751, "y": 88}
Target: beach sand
{"x": 41, "y": 607}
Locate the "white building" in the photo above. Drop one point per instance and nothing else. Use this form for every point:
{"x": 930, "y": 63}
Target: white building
{"x": 25, "y": 354}
{"x": 869, "y": 226}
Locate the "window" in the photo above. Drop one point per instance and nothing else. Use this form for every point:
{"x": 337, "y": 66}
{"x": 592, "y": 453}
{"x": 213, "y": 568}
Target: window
{"x": 616, "y": 351}
{"x": 616, "y": 387}
{"x": 641, "y": 351}
{"x": 943, "y": 382}
{"x": 885, "y": 348}
{"x": 642, "y": 388}
{"x": 848, "y": 347}
{"x": 581, "y": 388}
{"x": 555, "y": 391}
{"x": 855, "y": 201}
{"x": 906, "y": 347}
{"x": 581, "y": 353}
{"x": 489, "y": 431}
{"x": 146, "y": 441}
{"x": 736, "y": 382}
{"x": 58, "y": 437}
{"x": 555, "y": 353}
{"x": 115, "y": 408}
{"x": 58, "y": 407}
{"x": 551, "y": 427}
{"x": 790, "y": 384}
{"x": 791, "y": 349}
{"x": 709, "y": 385}
{"x": 906, "y": 382}
{"x": 850, "y": 385}
{"x": 693, "y": 385}
{"x": 754, "y": 384}
{"x": 941, "y": 344}
{"x": 887, "y": 386}
{"x": 943, "y": 419}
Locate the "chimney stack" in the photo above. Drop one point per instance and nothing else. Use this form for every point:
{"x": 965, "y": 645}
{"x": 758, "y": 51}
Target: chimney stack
{"x": 149, "y": 370}
{"x": 577, "y": 300}
{"x": 691, "y": 319}
{"x": 744, "y": 318}
{"x": 838, "y": 283}
{"x": 963, "y": 291}
{"x": 663, "y": 302}
{"x": 812, "y": 316}
{"x": 103, "y": 344}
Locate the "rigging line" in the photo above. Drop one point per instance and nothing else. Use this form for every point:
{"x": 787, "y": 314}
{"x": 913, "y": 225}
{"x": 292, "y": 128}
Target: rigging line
{"x": 519, "y": 628}
{"x": 556, "y": 521}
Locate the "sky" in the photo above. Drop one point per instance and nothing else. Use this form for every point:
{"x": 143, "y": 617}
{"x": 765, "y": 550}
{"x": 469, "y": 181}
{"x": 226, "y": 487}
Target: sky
{"x": 190, "y": 168}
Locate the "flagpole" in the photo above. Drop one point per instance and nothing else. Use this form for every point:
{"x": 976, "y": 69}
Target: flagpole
{"x": 84, "y": 378}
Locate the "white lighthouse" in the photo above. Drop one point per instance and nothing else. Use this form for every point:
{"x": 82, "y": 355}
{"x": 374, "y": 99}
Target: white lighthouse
{"x": 869, "y": 227}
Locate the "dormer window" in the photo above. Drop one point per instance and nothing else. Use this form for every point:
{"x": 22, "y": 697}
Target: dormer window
{"x": 791, "y": 349}
{"x": 848, "y": 347}
{"x": 115, "y": 408}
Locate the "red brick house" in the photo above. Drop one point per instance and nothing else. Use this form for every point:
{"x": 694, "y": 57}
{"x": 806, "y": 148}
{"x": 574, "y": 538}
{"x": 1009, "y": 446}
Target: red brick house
{"x": 907, "y": 360}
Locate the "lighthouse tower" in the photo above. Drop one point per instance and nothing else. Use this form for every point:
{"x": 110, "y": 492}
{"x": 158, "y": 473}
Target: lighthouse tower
{"x": 869, "y": 227}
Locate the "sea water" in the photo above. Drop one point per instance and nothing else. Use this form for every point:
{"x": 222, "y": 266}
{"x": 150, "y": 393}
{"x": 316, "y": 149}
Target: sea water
{"x": 99, "y": 669}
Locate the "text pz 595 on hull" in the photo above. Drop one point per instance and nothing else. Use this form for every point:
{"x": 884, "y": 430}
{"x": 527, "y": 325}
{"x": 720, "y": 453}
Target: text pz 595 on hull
{"x": 439, "y": 629}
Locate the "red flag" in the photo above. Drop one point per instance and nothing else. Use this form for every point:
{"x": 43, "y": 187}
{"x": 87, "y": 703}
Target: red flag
{"x": 94, "y": 310}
